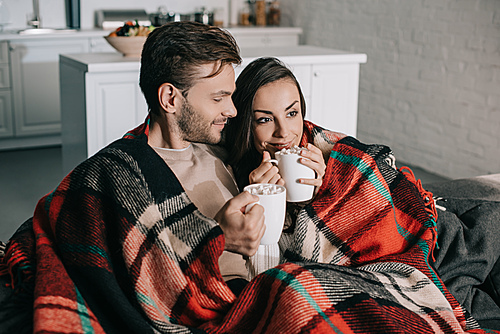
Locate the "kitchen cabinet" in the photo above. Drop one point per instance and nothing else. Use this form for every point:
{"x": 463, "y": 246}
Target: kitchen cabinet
{"x": 101, "y": 99}
{"x": 329, "y": 80}
{"x": 339, "y": 96}
{"x": 35, "y": 81}
{"x": 6, "y": 125}
{"x": 250, "y": 37}
{"x": 30, "y": 113}
{"x": 99, "y": 44}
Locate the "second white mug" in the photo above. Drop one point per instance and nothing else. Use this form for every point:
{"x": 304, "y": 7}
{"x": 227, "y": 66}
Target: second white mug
{"x": 291, "y": 170}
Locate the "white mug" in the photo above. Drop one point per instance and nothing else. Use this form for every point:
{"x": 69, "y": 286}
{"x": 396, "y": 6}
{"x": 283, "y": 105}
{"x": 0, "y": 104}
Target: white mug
{"x": 291, "y": 169}
{"x": 274, "y": 203}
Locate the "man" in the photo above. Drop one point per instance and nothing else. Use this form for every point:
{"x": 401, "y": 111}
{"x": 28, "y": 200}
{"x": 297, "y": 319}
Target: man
{"x": 187, "y": 78}
{"x": 188, "y": 82}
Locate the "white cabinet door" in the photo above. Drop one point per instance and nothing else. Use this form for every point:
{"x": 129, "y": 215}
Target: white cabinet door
{"x": 98, "y": 108}
{"x": 303, "y": 74}
{"x": 115, "y": 104}
{"x": 4, "y": 76}
{"x": 6, "y": 128}
{"x": 265, "y": 40}
{"x": 247, "y": 37}
{"x": 334, "y": 97}
{"x": 99, "y": 44}
{"x": 35, "y": 83}
{"x": 6, "y": 125}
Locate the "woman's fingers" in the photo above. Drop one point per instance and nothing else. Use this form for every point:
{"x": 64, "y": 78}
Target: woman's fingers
{"x": 313, "y": 182}
{"x": 313, "y": 158}
{"x": 265, "y": 173}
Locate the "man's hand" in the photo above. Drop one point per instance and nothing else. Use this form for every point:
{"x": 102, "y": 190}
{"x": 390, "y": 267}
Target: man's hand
{"x": 242, "y": 231}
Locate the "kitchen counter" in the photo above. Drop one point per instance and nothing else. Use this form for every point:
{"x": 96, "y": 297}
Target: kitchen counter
{"x": 30, "y": 113}
{"x": 101, "y": 98}
{"x": 113, "y": 62}
{"x": 13, "y": 35}
{"x": 305, "y": 54}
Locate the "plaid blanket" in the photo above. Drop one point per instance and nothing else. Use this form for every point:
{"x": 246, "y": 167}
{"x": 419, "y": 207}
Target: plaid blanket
{"x": 118, "y": 247}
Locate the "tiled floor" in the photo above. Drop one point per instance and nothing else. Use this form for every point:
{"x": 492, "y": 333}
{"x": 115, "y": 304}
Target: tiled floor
{"x": 27, "y": 175}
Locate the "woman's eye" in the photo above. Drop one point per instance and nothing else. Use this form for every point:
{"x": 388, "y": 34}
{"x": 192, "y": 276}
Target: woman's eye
{"x": 262, "y": 120}
{"x": 218, "y": 99}
{"x": 293, "y": 113}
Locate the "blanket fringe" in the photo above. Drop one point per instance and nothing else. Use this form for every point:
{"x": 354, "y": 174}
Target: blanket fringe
{"x": 429, "y": 203}
{"x": 17, "y": 267}
{"x": 267, "y": 256}
{"x": 3, "y": 269}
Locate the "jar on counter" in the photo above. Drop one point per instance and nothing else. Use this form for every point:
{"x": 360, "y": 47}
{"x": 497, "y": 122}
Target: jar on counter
{"x": 260, "y": 12}
{"x": 245, "y": 15}
{"x": 274, "y": 14}
{"x": 204, "y": 16}
{"x": 219, "y": 17}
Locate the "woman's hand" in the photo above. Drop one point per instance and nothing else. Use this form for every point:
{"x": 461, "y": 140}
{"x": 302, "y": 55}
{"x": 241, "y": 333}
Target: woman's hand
{"x": 313, "y": 158}
{"x": 266, "y": 172}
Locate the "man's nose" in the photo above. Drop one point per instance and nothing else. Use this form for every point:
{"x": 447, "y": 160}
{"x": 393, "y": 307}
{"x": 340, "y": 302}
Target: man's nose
{"x": 230, "y": 110}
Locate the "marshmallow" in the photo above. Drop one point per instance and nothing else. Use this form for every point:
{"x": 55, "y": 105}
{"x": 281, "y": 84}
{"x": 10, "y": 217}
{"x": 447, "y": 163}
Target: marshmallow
{"x": 292, "y": 150}
{"x": 265, "y": 189}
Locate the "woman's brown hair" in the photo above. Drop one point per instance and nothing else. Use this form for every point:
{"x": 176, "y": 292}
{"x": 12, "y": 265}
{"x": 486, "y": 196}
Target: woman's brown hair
{"x": 238, "y": 140}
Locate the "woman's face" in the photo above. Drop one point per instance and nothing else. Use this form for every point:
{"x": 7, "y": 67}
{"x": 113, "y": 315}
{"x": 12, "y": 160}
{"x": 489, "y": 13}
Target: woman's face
{"x": 277, "y": 116}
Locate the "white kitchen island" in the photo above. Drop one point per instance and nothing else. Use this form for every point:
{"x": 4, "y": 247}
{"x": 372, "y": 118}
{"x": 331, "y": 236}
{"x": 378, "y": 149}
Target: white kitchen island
{"x": 101, "y": 98}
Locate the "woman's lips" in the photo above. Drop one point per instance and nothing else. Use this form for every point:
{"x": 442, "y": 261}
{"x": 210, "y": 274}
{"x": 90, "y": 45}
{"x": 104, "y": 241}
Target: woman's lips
{"x": 280, "y": 146}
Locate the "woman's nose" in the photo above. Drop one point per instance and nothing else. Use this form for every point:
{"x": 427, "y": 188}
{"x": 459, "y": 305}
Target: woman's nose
{"x": 280, "y": 130}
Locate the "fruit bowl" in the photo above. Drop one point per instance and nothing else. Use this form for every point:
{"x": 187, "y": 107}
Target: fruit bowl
{"x": 129, "y": 46}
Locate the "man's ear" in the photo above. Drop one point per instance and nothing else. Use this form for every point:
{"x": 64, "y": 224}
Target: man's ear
{"x": 169, "y": 97}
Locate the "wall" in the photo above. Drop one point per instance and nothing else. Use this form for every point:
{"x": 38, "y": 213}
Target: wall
{"x": 431, "y": 86}
{"x": 53, "y": 12}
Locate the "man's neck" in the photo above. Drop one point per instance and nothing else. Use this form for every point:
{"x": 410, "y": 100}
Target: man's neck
{"x": 163, "y": 135}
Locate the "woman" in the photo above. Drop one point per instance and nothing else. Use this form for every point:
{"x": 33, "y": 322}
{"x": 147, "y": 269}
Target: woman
{"x": 271, "y": 110}
{"x": 365, "y": 211}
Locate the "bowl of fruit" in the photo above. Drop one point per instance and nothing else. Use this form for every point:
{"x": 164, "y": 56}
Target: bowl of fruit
{"x": 129, "y": 39}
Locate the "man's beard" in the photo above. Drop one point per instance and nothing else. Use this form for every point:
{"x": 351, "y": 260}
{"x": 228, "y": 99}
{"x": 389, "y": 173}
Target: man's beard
{"x": 194, "y": 127}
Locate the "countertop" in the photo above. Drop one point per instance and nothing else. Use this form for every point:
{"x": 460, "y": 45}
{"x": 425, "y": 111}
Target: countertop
{"x": 67, "y": 33}
{"x": 114, "y": 62}
{"x": 63, "y": 33}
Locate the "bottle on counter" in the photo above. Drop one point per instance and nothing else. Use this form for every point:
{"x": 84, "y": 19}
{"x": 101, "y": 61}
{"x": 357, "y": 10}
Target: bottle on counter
{"x": 219, "y": 17}
{"x": 274, "y": 14}
{"x": 260, "y": 13}
{"x": 245, "y": 15}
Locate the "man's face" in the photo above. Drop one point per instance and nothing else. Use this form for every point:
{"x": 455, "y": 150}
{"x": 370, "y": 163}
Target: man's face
{"x": 207, "y": 107}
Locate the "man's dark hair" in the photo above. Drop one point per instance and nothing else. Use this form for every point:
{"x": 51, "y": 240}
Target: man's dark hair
{"x": 174, "y": 52}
